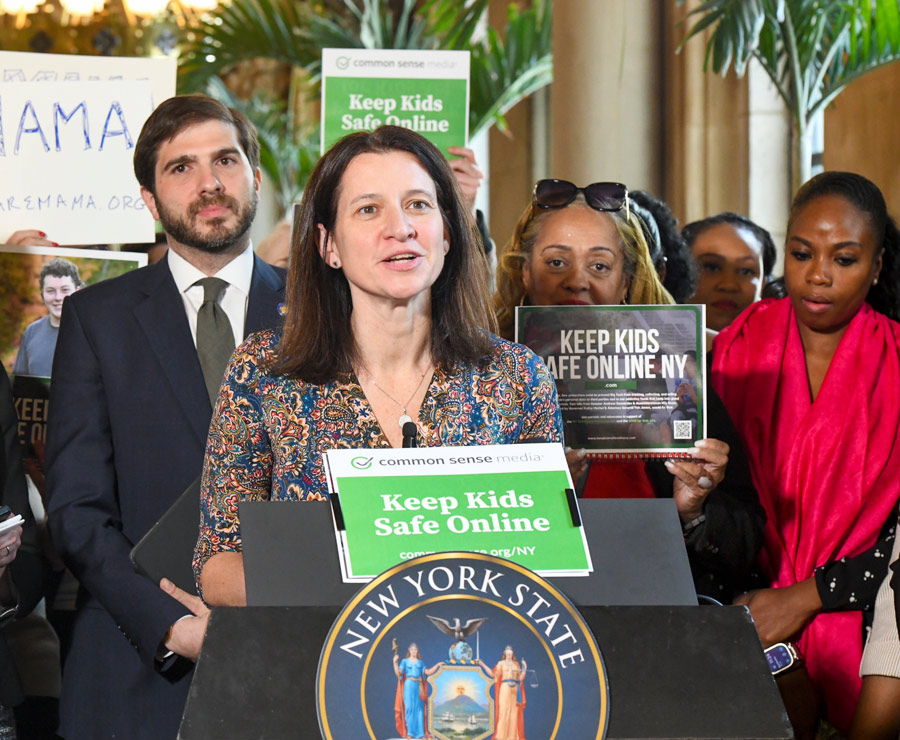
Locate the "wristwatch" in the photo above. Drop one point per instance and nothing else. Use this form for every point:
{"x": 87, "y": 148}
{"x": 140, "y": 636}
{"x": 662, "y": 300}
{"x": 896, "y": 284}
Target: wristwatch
{"x": 783, "y": 657}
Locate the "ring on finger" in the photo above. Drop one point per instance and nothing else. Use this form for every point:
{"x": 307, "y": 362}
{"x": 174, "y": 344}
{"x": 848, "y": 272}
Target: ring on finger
{"x": 705, "y": 482}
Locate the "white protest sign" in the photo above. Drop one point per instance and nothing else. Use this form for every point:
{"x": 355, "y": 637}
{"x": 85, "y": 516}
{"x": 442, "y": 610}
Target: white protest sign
{"x": 33, "y": 72}
{"x": 23, "y": 66}
{"x": 66, "y": 158}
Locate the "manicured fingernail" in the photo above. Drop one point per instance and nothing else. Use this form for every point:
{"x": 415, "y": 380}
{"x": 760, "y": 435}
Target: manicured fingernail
{"x": 42, "y": 233}
{"x": 700, "y": 443}
{"x": 692, "y": 452}
{"x": 582, "y": 453}
{"x": 54, "y": 244}
{"x": 670, "y": 464}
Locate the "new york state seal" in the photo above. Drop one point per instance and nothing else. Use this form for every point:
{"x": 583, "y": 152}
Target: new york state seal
{"x": 461, "y": 646}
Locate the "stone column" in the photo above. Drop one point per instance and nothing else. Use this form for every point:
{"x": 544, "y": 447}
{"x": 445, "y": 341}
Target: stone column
{"x": 606, "y": 108}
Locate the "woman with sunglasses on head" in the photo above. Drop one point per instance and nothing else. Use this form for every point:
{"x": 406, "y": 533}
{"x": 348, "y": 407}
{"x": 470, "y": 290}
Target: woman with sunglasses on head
{"x": 585, "y": 246}
{"x": 384, "y": 330}
{"x": 811, "y": 381}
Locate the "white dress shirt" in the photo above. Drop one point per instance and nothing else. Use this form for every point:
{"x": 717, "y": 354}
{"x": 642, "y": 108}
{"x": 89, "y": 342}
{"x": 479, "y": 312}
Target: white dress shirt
{"x": 238, "y": 274}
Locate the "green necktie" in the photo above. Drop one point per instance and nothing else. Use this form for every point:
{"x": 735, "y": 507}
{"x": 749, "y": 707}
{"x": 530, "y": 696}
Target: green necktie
{"x": 215, "y": 339}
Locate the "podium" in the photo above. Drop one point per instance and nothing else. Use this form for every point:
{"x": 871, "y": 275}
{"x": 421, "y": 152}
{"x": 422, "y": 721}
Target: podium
{"x": 675, "y": 670}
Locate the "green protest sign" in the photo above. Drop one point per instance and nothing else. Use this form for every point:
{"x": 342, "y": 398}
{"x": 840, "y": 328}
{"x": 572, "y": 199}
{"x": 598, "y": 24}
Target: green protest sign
{"x": 425, "y": 91}
{"x": 508, "y": 501}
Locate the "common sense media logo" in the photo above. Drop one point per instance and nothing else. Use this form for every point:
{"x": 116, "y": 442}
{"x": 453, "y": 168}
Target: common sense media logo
{"x": 361, "y": 463}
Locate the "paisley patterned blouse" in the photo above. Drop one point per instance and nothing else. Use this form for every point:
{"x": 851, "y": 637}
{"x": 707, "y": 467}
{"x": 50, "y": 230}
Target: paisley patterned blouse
{"x": 268, "y": 432}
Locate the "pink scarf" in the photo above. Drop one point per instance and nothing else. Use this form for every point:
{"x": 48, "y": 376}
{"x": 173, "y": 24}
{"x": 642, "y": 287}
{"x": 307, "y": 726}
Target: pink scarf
{"x": 827, "y": 472}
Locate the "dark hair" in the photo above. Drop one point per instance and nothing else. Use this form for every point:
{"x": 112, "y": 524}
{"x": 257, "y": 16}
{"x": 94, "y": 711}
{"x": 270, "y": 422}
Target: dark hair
{"x": 767, "y": 246}
{"x": 174, "y": 115}
{"x": 774, "y": 289}
{"x": 317, "y": 343}
{"x": 865, "y": 196}
{"x": 651, "y": 236}
{"x": 61, "y": 268}
{"x": 676, "y": 265}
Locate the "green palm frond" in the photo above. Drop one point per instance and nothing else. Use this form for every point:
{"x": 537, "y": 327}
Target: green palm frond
{"x": 248, "y": 29}
{"x": 295, "y": 33}
{"x": 811, "y": 49}
{"x": 505, "y": 72}
{"x": 454, "y": 23}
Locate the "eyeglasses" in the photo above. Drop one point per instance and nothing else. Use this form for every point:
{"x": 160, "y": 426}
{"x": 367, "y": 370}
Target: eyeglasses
{"x": 601, "y": 196}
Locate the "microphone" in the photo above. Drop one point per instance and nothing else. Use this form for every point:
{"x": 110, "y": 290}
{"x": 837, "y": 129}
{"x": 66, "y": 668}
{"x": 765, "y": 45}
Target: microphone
{"x": 410, "y": 434}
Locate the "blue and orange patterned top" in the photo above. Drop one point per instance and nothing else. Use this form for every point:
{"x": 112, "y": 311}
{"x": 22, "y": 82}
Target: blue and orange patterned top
{"x": 268, "y": 432}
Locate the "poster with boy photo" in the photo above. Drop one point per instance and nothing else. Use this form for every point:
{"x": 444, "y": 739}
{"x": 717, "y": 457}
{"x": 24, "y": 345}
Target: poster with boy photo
{"x": 34, "y": 282}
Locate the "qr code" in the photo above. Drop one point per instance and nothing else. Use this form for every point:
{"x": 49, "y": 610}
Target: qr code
{"x": 682, "y": 429}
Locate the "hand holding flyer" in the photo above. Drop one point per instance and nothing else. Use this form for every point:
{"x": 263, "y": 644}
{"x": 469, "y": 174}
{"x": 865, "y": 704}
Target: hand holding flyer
{"x": 11, "y": 523}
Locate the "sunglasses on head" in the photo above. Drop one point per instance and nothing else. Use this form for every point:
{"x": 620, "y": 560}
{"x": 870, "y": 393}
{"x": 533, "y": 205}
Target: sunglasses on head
{"x": 601, "y": 196}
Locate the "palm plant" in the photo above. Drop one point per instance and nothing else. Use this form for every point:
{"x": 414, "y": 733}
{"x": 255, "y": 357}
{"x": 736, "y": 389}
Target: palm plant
{"x": 811, "y": 50}
{"x": 504, "y": 68}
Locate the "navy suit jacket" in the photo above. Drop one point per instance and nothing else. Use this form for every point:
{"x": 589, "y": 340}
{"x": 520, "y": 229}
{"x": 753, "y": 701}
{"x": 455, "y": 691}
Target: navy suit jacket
{"x": 126, "y": 435}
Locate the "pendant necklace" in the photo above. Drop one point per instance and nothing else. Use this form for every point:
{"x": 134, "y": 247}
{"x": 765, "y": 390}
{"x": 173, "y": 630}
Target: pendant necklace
{"x": 404, "y": 417}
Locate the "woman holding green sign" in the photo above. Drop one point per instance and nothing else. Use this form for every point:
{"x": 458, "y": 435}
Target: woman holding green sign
{"x": 384, "y": 325}
{"x": 586, "y": 246}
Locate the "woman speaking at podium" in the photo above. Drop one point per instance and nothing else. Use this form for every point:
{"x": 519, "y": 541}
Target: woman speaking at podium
{"x": 387, "y": 304}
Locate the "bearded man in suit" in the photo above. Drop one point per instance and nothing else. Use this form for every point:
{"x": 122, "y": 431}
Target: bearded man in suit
{"x": 137, "y": 367}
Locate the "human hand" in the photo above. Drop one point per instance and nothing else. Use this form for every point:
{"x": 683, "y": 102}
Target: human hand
{"x": 10, "y": 542}
{"x": 578, "y": 463}
{"x": 186, "y": 635}
{"x": 695, "y": 480}
{"x": 467, "y": 173}
{"x": 781, "y": 613}
{"x": 30, "y": 238}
